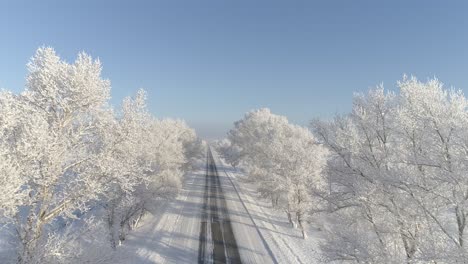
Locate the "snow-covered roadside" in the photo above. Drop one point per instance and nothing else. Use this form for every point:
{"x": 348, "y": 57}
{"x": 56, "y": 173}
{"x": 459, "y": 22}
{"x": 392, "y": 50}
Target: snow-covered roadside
{"x": 171, "y": 234}
{"x": 7, "y": 250}
{"x": 252, "y": 247}
{"x": 285, "y": 242}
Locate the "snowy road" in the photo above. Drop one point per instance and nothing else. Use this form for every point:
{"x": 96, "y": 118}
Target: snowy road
{"x": 207, "y": 223}
{"x": 215, "y": 228}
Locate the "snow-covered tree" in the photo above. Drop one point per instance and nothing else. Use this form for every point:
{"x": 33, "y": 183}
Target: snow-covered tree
{"x": 397, "y": 187}
{"x": 230, "y": 152}
{"x": 155, "y": 154}
{"x": 284, "y": 159}
{"x": 367, "y": 215}
{"x": 14, "y": 191}
{"x": 61, "y": 118}
{"x": 433, "y": 124}
{"x": 127, "y": 158}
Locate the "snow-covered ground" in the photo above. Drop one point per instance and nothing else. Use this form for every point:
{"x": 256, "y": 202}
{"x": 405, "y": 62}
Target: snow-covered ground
{"x": 285, "y": 242}
{"x": 7, "y": 251}
{"x": 170, "y": 235}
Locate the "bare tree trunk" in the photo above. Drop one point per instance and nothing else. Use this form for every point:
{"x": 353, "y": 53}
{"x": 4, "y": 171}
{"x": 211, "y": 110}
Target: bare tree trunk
{"x": 274, "y": 200}
{"x": 300, "y": 221}
{"x": 140, "y": 215}
{"x": 409, "y": 243}
{"x": 122, "y": 233}
{"x": 461, "y": 222}
{"x": 290, "y": 218}
{"x": 110, "y": 223}
{"x": 30, "y": 240}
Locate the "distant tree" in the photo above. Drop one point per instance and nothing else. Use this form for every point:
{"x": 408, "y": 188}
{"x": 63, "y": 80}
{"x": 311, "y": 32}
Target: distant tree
{"x": 230, "y": 152}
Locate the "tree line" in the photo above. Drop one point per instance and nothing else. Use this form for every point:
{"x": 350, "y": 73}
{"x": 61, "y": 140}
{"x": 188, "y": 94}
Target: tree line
{"x": 389, "y": 178}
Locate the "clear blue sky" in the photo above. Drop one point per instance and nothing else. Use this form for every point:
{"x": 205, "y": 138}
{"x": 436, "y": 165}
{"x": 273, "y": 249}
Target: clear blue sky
{"x": 209, "y": 62}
